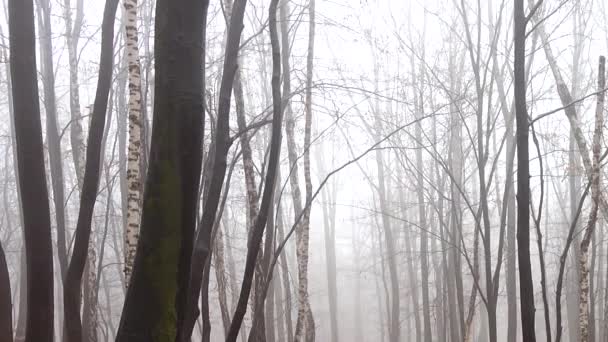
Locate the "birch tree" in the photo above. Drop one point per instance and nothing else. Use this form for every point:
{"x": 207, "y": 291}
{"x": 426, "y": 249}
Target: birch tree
{"x": 135, "y": 146}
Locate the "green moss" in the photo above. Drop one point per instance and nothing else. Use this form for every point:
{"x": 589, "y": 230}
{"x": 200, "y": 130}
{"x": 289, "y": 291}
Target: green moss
{"x": 161, "y": 266}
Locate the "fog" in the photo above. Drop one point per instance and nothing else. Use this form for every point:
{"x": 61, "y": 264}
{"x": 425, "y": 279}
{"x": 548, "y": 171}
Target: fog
{"x": 303, "y": 170}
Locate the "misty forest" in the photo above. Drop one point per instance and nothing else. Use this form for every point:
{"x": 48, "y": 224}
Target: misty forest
{"x": 303, "y": 170}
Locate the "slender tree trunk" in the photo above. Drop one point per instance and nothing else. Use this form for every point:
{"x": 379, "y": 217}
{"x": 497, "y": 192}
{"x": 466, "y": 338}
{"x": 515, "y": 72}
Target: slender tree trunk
{"x": 422, "y": 219}
{"x": 54, "y": 145}
{"x": 584, "y": 324}
{"x": 303, "y": 243}
{"x": 258, "y": 330}
{"x": 122, "y": 79}
{"x": 257, "y": 232}
{"x": 88, "y": 196}
{"x": 526, "y": 287}
{"x": 135, "y": 147}
{"x": 305, "y": 322}
{"x": 222, "y": 143}
{"x": 329, "y": 229}
{"x": 32, "y": 180}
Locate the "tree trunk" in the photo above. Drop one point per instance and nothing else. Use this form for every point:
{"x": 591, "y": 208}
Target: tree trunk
{"x": 88, "y": 196}
{"x": 135, "y": 147}
{"x": 258, "y": 330}
{"x": 158, "y": 294}
{"x": 328, "y": 198}
{"x": 54, "y": 144}
{"x": 595, "y": 192}
{"x": 526, "y": 287}
{"x": 305, "y": 323}
{"x": 257, "y": 231}
{"x": 424, "y": 258}
{"x": 32, "y": 180}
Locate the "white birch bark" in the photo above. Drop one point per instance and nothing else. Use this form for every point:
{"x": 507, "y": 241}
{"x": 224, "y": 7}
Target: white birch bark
{"x": 595, "y": 191}
{"x": 135, "y": 144}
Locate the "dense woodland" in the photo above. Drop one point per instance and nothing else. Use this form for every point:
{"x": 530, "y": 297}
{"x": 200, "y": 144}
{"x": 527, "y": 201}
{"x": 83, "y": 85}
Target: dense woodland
{"x": 303, "y": 170}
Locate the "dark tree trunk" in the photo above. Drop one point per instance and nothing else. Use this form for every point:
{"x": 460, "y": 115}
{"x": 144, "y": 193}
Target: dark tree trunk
{"x": 222, "y": 143}
{"x": 72, "y": 283}
{"x": 157, "y": 295}
{"x": 257, "y": 232}
{"x": 32, "y": 180}
{"x": 53, "y": 140}
{"x": 526, "y": 287}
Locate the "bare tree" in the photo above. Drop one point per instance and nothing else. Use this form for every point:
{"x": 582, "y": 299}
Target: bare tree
{"x": 526, "y": 287}
{"x": 135, "y": 147}
{"x": 32, "y": 180}
{"x": 595, "y": 191}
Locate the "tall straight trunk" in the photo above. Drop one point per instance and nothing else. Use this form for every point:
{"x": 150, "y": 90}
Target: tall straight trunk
{"x": 526, "y": 287}
{"x": 424, "y": 258}
{"x": 305, "y": 323}
{"x": 122, "y": 113}
{"x": 584, "y": 324}
{"x": 135, "y": 147}
{"x": 574, "y": 180}
{"x": 453, "y": 262}
{"x": 222, "y": 143}
{"x": 54, "y": 144}
{"x": 303, "y": 241}
{"x": 88, "y": 196}
{"x": 257, "y": 231}
{"x": 158, "y": 294}
{"x": 32, "y": 180}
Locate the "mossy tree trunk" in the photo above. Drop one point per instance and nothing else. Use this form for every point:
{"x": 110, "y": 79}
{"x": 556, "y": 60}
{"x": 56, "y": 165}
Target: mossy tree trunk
{"x": 156, "y": 296}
